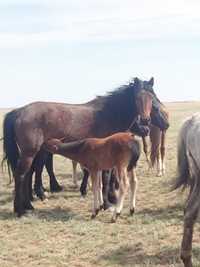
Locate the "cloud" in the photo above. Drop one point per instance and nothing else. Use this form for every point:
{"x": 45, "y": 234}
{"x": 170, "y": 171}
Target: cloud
{"x": 100, "y": 20}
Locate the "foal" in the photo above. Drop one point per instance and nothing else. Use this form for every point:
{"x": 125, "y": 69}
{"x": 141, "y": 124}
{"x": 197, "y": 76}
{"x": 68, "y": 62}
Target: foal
{"x": 120, "y": 151}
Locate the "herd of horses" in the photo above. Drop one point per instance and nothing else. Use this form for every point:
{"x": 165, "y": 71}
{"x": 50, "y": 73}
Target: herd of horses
{"x": 103, "y": 137}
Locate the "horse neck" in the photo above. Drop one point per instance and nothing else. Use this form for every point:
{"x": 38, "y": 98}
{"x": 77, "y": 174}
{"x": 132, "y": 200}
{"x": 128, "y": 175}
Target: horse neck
{"x": 72, "y": 150}
{"x": 107, "y": 123}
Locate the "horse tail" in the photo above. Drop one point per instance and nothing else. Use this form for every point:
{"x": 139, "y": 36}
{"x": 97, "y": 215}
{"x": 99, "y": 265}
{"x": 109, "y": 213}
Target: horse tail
{"x": 135, "y": 154}
{"x": 10, "y": 148}
{"x": 182, "y": 160}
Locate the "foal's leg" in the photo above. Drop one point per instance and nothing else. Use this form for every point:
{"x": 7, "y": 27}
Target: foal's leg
{"x": 133, "y": 189}
{"x": 100, "y": 187}
{"x": 95, "y": 190}
{"x": 74, "y": 165}
{"x": 54, "y": 185}
{"x": 123, "y": 185}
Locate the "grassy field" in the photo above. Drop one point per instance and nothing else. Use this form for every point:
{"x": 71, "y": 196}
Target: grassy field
{"x": 60, "y": 233}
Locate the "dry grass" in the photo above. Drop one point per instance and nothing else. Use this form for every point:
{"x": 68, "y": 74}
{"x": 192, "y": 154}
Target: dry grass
{"x": 60, "y": 233}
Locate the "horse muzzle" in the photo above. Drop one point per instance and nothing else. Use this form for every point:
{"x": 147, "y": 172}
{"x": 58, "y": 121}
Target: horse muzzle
{"x": 145, "y": 121}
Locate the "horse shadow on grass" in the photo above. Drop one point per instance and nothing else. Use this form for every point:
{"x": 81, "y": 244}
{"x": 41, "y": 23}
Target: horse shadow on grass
{"x": 165, "y": 213}
{"x": 56, "y": 214}
{"x": 49, "y": 215}
{"x": 135, "y": 255}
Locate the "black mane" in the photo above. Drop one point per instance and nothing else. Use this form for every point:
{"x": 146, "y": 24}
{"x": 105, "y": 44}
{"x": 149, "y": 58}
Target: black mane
{"x": 118, "y": 107}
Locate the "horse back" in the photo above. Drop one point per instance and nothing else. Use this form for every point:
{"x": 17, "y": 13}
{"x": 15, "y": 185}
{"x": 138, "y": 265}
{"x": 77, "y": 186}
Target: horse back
{"x": 54, "y": 120}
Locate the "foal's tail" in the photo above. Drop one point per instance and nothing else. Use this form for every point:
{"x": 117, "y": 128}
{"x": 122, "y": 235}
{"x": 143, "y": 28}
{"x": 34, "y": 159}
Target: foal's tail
{"x": 136, "y": 151}
{"x": 182, "y": 160}
{"x": 10, "y": 148}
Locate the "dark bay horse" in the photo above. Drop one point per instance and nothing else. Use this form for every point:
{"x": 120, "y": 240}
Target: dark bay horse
{"x": 120, "y": 151}
{"x": 188, "y": 165}
{"x": 157, "y": 136}
{"x": 25, "y": 129}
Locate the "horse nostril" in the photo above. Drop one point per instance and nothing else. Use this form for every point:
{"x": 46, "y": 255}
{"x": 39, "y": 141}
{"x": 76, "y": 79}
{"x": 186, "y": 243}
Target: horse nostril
{"x": 145, "y": 121}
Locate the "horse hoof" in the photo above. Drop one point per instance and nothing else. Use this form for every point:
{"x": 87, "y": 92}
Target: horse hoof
{"x": 20, "y": 213}
{"x": 93, "y": 216}
{"x": 114, "y": 218}
{"x": 187, "y": 261}
{"x": 107, "y": 205}
{"x": 83, "y": 193}
{"x": 132, "y": 211}
{"x": 42, "y": 197}
{"x": 101, "y": 207}
{"x": 56, "y": 189}
{"x": 28, "y": 206}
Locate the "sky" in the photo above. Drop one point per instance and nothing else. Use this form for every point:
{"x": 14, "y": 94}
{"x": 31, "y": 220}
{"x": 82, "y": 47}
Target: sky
{"x": 72, "y": 50}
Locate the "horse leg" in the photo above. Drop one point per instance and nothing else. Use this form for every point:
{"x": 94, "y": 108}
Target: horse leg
{"x": 159, "y": 164}
{"x": 83, "y": 188}
{"x": 112, "y": 187}
{"x": 186, "y": 246}
{"x": 28, "y": 191}
{"x": 133, "y": 189}
{"x": 30, "y": 182}
{"x": 105, "y": 189}
{"x": 54, "y": 185}
{"x": 22, "y": 200}
{"x": 95, "y": 190}
{"x": 191, "y": 214}
{"x": 123, "y": 185}
{"x": 75, "y": 181}
{"x": 39, "y": 166}
{"x": 162, "y": 151}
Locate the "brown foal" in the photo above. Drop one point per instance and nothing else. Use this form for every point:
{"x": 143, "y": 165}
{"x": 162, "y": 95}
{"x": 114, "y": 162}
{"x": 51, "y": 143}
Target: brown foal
{"x": 120, "y": 151}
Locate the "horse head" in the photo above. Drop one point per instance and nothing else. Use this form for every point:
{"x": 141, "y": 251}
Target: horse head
{"x": 143, "y": 100}
{"x": 149, "y": 106}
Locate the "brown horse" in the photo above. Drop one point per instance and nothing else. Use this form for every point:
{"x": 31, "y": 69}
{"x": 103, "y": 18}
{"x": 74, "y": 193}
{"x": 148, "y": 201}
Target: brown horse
{"x": 120, "y": 151}
{"x": 189, "y": 176}
{"x": 26, "y": 129}
{"x": 157, "y": 156}
{"x": 157, "y": 145}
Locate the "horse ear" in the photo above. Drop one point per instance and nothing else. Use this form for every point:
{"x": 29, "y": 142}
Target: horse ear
{"x": 136, "y": 80}
{"x": 151, "y": 81}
